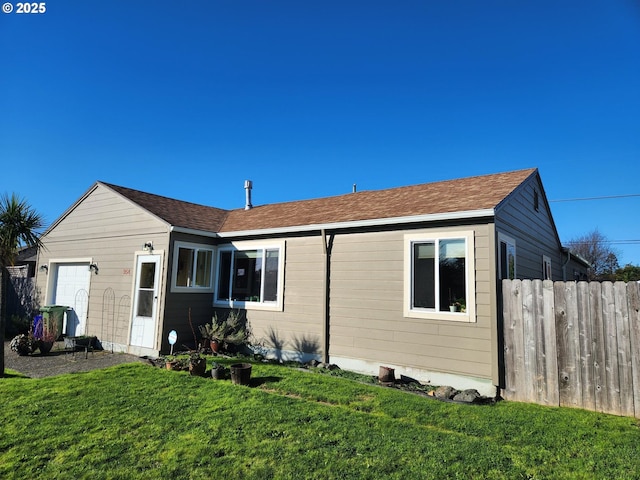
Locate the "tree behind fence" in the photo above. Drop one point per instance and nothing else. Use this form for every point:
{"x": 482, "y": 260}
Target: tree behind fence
{"x": 573, "y": 344}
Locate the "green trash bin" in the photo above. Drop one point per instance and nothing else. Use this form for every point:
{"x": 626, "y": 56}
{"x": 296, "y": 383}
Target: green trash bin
{"x": 53, "y": 318}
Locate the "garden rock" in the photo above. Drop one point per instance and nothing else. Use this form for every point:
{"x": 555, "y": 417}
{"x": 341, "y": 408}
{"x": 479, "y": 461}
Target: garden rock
{"x": 328, "y": 366}
{"x": 445, "y": 393}
{"x": 407, "y": 380}
{"x": 468, "y": 396}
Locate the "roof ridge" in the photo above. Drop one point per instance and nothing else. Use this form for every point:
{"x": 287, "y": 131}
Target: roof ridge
{"x": 467, "y": 194}
{"x": 389, "y": 189}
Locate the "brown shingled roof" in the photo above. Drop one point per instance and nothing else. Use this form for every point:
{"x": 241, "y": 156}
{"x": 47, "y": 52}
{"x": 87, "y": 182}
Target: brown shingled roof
{"x": 465, "y": 194}
{"x": 175, "y": 212}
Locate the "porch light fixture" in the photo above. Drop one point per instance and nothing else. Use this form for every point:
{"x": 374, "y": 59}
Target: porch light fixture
{"x": 148, "y": 247}
{"x": 94, "y": 268}
{"x": 43, "y": 268}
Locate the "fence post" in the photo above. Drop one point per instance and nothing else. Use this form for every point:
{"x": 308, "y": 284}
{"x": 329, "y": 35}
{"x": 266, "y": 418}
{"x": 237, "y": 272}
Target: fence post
{"x": 568, "y": 344}
{"x": 612, "y": 379}
{"x": 633, "y": 298}
{"x": 624, "y": 349}
{"x": 527, "y": 381}
{"x": 551, "y": 345}
{"x": 585, "y": 329}
{"x": 513, "y": 338}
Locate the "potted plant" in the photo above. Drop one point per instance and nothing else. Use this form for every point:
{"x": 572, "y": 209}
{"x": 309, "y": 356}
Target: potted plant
{"x": 197, "y": 364}
{"x": 172, "y": 362}
{"x": 45, "y": 335}
{"x": 230, "y": 332}
{"x": 218, "y": 372}
{"x": 241, "y": 373}
{"x": 237, "y": 331}
{"x": 457, "y": 304}
{"x": 23, "y": 344}
{"x": 213, "y": 332}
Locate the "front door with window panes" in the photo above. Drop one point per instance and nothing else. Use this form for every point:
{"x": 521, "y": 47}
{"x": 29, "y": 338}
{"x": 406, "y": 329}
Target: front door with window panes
{"x": 143, "y": 325}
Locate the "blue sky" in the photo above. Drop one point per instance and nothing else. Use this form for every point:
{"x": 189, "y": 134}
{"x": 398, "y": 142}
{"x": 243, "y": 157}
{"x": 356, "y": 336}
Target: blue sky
{"x": 189, "y": 99}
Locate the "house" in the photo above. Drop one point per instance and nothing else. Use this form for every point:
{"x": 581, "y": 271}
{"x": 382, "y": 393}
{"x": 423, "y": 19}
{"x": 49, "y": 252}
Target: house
{"x": 405, "y": 277}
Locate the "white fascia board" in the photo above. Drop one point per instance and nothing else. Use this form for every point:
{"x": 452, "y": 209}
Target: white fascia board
{"x": 359, "y": 223}
{"x": 193, "y": 231}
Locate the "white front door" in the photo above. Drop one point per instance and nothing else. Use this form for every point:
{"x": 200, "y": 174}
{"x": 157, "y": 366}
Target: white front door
{"x": 145, "y": 302}
{"x": 71, "y": 289}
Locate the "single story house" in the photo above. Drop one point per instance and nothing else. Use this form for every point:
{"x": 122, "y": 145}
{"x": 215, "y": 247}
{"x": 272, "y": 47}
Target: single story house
{"x": 404, "y": 277}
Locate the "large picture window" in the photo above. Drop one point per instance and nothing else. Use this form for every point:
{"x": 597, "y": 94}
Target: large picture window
{"x": 250, "y": 275}
{"x": 439, "y": 276}
{"x": 192, "y": 267}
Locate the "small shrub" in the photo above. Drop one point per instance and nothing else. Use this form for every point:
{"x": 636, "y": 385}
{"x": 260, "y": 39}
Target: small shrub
{"x": 231, "y": 331}
{"x": 23, "y": 344}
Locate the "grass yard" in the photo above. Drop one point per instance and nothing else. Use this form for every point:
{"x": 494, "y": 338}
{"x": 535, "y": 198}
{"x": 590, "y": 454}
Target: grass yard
{"x": 138, "y": 422}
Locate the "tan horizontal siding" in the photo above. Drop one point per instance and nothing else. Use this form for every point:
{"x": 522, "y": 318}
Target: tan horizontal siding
{"x": 108, "y": 230}
{"x": 300, "y": 322}
{"x": 367, "y": 319}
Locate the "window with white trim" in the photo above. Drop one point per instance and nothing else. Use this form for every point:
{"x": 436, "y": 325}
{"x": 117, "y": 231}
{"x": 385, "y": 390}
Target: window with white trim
{"x": 506, "y": 257}
{"x": 192, "y": 267}
{"x": 251, "y": 275}
{"x": 439, "y": 276}
{"x": 546, "y": 268}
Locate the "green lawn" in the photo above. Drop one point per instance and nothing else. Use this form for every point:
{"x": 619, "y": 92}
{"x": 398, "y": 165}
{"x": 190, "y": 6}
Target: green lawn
{"x": 139, "y": 422}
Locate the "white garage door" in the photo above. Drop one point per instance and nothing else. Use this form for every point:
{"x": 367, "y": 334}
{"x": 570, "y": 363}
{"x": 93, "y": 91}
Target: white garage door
{"x": 72, "y": 290}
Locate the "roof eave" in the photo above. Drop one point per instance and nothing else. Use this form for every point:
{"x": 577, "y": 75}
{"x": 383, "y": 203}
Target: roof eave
{"x": 194, "y": 231}
{"x": 377, "y": 222}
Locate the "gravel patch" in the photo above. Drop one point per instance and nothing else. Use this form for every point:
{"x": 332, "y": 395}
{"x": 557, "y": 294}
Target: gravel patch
{"x": 60, "y": 361}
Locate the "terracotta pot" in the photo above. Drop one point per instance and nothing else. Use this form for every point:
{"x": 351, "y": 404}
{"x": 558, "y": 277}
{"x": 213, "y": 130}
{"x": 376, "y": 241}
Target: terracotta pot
{"x": 215, "y": 346}
{"x": 171, "y": 365}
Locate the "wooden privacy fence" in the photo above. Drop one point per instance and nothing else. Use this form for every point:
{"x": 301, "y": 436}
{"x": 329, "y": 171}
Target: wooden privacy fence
{"x": 573, "y": 344}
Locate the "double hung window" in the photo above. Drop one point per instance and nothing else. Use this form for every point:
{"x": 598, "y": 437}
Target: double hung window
{"x": 192, "y": 267}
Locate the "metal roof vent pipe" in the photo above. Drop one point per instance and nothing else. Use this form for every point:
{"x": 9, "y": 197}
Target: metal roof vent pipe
{"x": 248, "y": 185}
